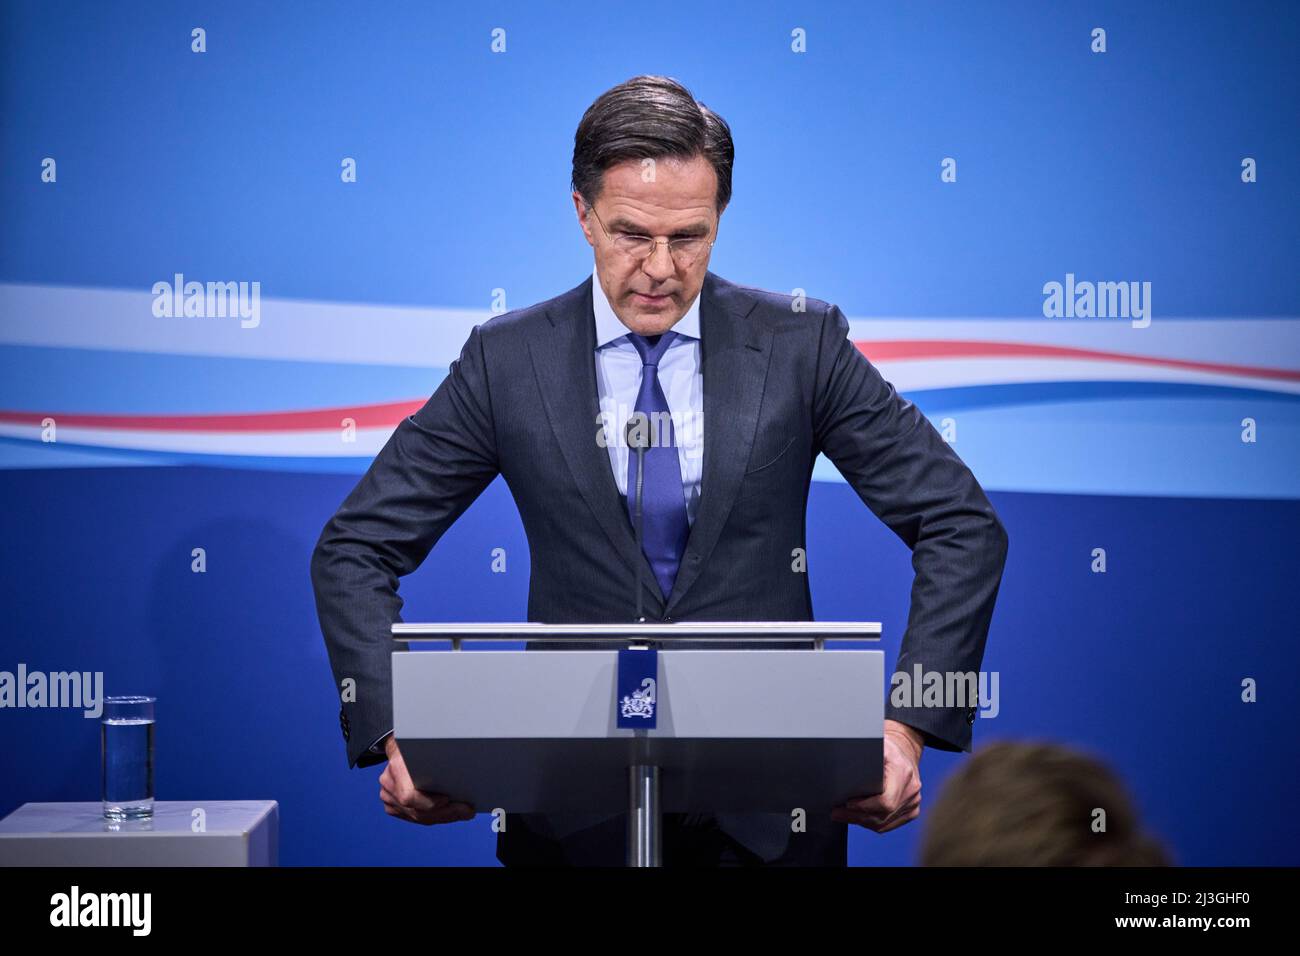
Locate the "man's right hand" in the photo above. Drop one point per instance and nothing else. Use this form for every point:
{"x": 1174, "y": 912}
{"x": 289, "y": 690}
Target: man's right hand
{"x": 401, "y": 799}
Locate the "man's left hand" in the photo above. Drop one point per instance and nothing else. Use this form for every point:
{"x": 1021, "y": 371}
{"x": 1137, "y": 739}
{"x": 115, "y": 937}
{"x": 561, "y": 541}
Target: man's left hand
{"x": 899, "y": 801}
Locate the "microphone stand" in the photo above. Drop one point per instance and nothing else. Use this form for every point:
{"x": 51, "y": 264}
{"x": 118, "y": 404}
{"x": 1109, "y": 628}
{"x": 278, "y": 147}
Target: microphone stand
{"x": 645, "y": 818}
{"x": 636, "y": 440}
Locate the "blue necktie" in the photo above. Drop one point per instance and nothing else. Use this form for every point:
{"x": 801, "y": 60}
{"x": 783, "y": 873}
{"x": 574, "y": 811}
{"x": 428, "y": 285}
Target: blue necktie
{"x": 663, "y": 514}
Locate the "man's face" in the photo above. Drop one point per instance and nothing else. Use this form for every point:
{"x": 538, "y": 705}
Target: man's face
{"x": 650, "y": 295}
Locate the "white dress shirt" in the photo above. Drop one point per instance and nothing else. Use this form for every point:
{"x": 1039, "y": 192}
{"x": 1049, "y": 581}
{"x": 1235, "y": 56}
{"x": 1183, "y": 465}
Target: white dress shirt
{"x": 618, "y": 380}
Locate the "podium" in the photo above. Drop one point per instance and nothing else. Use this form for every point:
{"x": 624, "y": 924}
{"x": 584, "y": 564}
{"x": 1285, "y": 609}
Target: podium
{"x": 758, "y": 717}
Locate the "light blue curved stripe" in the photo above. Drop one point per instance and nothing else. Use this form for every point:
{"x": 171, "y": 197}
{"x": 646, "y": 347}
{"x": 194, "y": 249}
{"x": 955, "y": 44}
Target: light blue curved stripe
{"x": 18, "y": 453}
{"x": 1180, "y": 447}
{"x": 1164, "y": 447}
{"x": 38, "y": 379}
{"x": 964, "y": 397}
{"x": 21, "y": 453}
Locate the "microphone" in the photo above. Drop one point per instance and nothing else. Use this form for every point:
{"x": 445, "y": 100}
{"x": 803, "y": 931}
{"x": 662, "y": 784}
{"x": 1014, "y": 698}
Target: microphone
{"x": 638, "y": 439}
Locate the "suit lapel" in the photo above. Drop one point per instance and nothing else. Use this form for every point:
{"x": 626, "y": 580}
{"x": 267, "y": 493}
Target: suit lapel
{"x": 564, "y": 360}
{"x": 734, "y": 356}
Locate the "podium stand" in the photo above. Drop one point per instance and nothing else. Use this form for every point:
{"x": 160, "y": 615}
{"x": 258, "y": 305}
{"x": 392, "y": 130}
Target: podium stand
{"x": 755, "y": 717}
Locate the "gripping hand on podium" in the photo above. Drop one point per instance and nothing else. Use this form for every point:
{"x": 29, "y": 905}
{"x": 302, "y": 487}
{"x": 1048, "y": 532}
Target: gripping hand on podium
{"x": 899, "y": 801}
{"x": 402, "y": 800}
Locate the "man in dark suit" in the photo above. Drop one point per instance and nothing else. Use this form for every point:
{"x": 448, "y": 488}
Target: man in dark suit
{"x": 754, "y": 386}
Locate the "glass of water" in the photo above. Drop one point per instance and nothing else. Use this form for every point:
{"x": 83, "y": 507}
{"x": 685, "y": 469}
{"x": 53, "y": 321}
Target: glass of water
{"x": 126, "y": 746}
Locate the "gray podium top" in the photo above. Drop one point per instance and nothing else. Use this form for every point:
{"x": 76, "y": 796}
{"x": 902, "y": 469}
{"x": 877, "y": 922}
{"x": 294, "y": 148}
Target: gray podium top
{"x": 234, "y": 833}
{"x": 744, "y": 722}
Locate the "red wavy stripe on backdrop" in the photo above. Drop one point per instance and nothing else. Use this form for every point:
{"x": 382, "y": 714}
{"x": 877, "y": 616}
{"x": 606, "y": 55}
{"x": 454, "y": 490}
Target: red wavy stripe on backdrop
{"x": 913, "y": 349}
{"x": 388, "y": 414}
{"x": 366, "y": 416}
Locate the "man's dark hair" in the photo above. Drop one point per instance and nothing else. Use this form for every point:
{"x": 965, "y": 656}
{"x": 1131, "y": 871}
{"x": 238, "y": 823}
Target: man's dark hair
{"x": 649, "y": 117}
{"x": 1032, "y": 804}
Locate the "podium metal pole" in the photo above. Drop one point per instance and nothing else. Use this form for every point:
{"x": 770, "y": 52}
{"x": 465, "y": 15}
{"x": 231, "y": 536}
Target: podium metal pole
{"x": 645, "y": 821}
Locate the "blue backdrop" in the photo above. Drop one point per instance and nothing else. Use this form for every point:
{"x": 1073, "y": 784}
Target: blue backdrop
{"x": 225, "y": 165}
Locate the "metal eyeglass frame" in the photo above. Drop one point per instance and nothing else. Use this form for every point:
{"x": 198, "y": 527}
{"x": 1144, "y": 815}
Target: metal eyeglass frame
{"x": 654, "y": 242}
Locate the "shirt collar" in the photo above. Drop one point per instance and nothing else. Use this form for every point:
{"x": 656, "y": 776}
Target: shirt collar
{"x": 610, "y": 327}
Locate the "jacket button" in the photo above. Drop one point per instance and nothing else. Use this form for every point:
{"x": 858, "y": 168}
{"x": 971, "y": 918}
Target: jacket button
{"x": 970, "y": 716}
{"x": 343, "y": 722}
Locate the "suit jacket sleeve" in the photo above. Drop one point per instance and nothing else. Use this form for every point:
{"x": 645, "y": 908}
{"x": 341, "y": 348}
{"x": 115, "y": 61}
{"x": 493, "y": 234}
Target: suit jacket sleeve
{"x": 913, "y": 481}
{"x": 432, "y": 468}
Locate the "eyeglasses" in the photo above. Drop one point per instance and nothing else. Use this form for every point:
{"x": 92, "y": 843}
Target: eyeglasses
{"x": 684, "y": 249}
